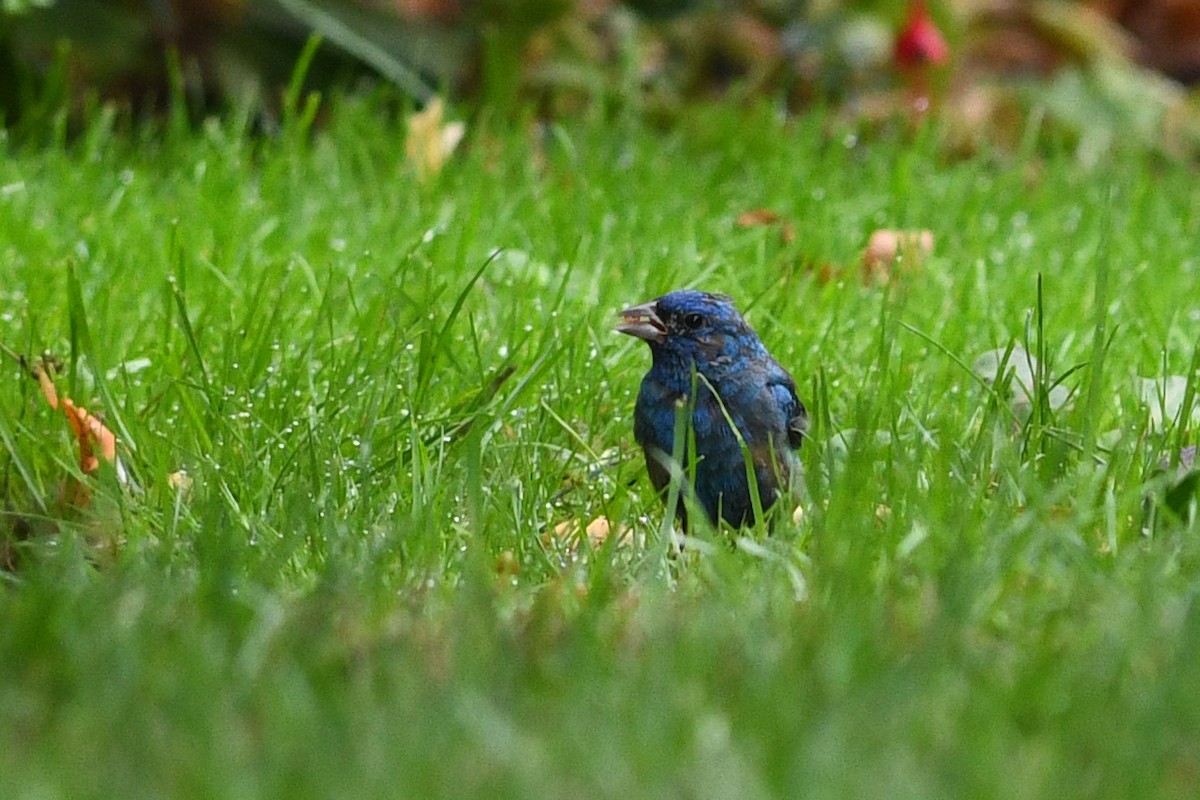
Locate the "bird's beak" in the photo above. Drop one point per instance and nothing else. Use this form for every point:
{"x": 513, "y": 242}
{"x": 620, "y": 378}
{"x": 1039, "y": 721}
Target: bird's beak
{"x": 643, "y": 322}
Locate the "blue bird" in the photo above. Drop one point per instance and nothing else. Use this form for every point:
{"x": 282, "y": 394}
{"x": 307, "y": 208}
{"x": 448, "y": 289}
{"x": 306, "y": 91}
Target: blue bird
{"x": 700, "y": 343}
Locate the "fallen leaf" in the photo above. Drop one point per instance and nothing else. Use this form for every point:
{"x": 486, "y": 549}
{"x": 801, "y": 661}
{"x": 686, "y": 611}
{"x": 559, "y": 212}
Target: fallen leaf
{"x": 96, "y": 441}
{"x": 760, "y": 217}
{"x": 507, "y": 565}
{"x": 886, "y": 248}
{"x": 825, "y": 271}
{"x": 46, "y": 384}
{"x": 598, "y": 531}
{"x": 181, "y": 482}
{"x": 430, "y": 142}
{"x": 91, "y": 434}
{"x": 570, "y": 533}
{"x": 756, "y": 217}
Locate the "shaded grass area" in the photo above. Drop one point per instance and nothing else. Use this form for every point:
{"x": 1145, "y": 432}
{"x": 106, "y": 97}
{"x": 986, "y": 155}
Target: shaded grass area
{"x": 388, "y": 395}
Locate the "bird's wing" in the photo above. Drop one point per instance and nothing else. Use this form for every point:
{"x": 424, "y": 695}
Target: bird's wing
{"x": 784, "y": 390}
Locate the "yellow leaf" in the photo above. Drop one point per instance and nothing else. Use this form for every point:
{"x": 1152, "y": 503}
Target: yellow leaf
{"x": 431, "y": 141}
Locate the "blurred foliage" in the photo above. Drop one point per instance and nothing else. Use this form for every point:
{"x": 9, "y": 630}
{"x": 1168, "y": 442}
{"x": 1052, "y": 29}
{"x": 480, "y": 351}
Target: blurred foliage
{"x": 1084, "y": 69}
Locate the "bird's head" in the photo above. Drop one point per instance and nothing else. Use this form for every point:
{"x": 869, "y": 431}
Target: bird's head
{"x": 694, "y": 326}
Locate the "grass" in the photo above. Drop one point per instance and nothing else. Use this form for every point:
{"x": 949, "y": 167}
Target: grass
{"x": 387, "y": 394}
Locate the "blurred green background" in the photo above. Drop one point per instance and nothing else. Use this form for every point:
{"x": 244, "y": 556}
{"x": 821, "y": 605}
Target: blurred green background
{"x": 1094, "y": 70}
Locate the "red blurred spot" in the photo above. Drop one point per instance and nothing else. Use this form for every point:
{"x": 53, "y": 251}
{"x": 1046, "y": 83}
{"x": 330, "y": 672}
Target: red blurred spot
{"x": 920, "y": 41}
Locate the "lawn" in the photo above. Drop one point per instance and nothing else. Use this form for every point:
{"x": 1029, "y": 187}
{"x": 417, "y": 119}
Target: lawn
{"x": 396, "y": 400}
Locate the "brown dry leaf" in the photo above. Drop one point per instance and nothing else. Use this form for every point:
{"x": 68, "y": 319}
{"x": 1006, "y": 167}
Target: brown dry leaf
{"x": 759, "y": 217}
{"x": 886, "y": 247}
{"x": 756, "y": 217}
{"x": 507, "y": 565}
{"x": 181, "y": 482}
{"x": 569, "y": 533}
{"x": 430, "y": 141}
{"x": 825, "y": 271}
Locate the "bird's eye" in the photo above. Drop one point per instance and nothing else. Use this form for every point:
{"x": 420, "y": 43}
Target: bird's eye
{"x": 694, "y": 321}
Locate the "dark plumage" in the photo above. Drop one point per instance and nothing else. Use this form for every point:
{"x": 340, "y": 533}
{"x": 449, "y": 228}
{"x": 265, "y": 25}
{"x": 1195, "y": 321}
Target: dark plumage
{"x": 697, "y": 332}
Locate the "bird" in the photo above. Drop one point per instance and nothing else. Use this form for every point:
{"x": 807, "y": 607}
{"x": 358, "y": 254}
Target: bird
{"x": 705, "y": 356}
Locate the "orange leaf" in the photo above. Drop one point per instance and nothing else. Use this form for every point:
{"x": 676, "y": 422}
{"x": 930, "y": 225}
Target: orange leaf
{"x": 91, "y": 434}
{"x": 46, "y": 383}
